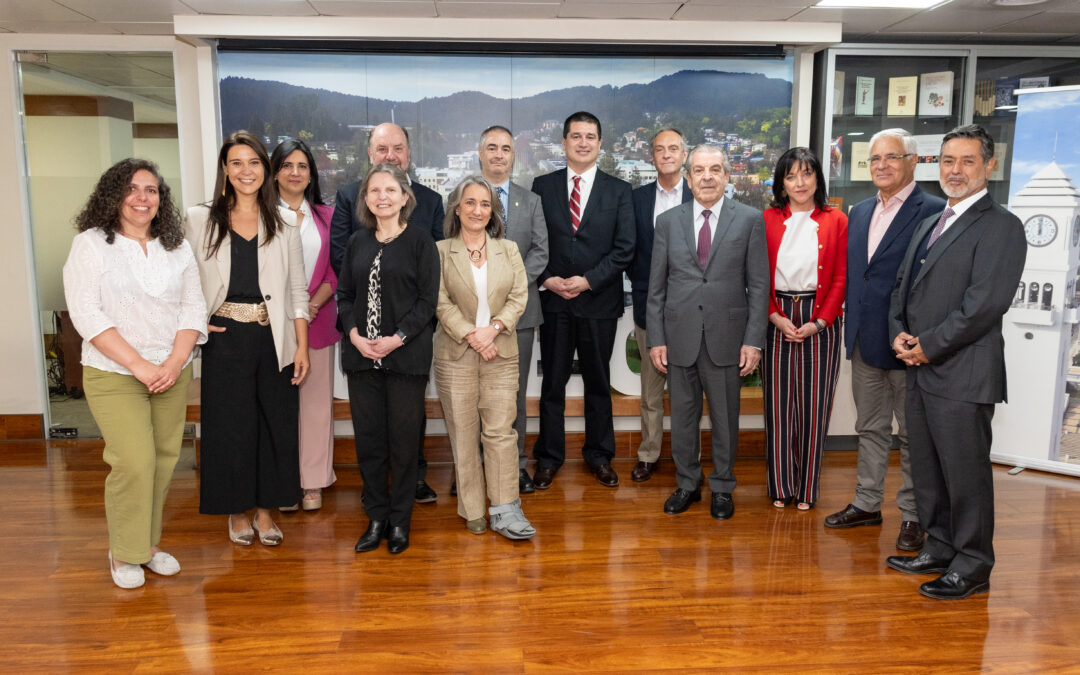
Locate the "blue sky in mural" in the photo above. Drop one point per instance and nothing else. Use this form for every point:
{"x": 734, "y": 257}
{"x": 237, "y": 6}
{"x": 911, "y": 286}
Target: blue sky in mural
{"x": 1043, "y": 119}
{"x": 414, "y": 77}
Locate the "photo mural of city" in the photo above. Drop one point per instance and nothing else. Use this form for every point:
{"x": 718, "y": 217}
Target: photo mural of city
{"x": 332, "y": 101}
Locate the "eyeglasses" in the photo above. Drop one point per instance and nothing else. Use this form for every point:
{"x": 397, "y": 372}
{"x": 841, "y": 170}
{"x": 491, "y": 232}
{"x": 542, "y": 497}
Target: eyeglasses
{"x": 890, "y": 158}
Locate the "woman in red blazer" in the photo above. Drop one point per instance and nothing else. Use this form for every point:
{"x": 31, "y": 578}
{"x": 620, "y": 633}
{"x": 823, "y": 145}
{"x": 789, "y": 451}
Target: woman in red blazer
{"x": 807, "y": 244}
{"x": 297, "y": 179}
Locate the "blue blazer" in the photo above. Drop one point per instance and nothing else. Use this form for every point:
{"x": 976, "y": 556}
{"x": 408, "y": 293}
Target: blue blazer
{"x": 644, "y": 203}
{"x": 870, "y": 284}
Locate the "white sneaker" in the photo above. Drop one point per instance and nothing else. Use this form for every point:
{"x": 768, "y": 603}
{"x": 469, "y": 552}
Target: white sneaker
{"x": 164, "y": 564}
{"x": 126, "y": 575}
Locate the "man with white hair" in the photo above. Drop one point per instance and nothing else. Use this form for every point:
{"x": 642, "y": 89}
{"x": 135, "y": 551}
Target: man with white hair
{"x": 879, "y": 231}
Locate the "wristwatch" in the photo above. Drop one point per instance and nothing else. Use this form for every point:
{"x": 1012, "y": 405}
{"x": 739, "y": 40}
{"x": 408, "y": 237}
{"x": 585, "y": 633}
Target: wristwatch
{"x": 821, "y": 325}
{"x": 401, "y": 335}
{"x": 497, "y": 325}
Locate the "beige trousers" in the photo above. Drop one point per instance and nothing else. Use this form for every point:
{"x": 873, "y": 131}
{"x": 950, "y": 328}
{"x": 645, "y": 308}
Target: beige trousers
{"x": 652, "y": 403}
{"x": 317, "y": 421}
{"x": 479, "y": 402}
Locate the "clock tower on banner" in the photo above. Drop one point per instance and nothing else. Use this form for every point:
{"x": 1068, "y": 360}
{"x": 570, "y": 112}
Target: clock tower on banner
{"x": 1041, "y": 329}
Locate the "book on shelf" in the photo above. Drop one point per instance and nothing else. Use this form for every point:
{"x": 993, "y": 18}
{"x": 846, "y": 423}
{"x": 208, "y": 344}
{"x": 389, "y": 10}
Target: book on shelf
{"x": 984, "y": 98}
{"x": 935, "y": 94}
{"x": 1033, "y": 82}
{"x": 864, "y": 95}
{"x": 1000, "y": 150}
{"x": 1005, "y": 94}
{"x": 927, "y": 151}
{"x": 860, "y": 161}
{"x": 902, "y": 96}
{"x": 836, "y": 157}
{"x": 836, "y": 203}
{"x": 838, "y": 93}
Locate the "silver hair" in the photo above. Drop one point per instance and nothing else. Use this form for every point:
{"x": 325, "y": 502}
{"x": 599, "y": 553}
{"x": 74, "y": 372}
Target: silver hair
{"x": 711, "y": 149}
{"x": 903, "y": 135}
{"x": 682, "y": 139}
{"x": 452, "y": 224}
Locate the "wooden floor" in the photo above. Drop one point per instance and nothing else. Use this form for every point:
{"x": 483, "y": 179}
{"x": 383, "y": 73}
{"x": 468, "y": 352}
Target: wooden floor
{"x": 609, "y": 584}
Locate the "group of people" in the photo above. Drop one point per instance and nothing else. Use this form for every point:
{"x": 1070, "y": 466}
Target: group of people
{"x": 719, "y": 289}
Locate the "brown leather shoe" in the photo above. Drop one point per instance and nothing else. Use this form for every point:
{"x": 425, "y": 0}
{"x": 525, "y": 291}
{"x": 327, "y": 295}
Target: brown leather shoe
{"x": 852, "y": 517}
{"x": 911, "y": 536}
{"x": 542, "y": 478}
{"x": 605, "y": 475}
{"x": 643, "y": 471}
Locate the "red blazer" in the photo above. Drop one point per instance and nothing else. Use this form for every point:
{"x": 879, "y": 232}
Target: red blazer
{"x": 832, "y": 259}
{"x": 323, "y": 330}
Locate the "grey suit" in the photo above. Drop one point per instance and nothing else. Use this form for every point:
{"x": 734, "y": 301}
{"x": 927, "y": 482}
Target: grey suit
{"x": 704, "y": 317}
{"x": 952, "y": 297}
{"x": 525, "y": 226}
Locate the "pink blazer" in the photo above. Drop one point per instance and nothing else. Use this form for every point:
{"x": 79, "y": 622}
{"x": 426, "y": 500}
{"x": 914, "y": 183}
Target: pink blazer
{"x": 323, "y": 330}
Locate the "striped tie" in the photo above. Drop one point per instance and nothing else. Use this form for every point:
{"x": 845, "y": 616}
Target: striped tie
{"x": 575, "y": 204}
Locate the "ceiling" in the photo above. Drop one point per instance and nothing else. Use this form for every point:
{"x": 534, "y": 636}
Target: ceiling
{"x": 1049, "y": 22}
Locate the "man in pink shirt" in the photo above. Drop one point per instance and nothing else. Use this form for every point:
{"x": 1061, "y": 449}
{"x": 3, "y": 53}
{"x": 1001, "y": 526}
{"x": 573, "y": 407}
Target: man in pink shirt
{"x": 879, "y": 230}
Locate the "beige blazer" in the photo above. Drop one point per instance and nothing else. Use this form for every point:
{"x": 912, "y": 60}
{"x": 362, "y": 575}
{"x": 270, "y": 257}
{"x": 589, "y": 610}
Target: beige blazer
{"x": 508, "y": 291}
{"x": 281, "y": 276}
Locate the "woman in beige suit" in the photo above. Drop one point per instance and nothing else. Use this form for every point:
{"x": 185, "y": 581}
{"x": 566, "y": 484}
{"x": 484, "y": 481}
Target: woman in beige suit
{"x": 482, "y": 295}
{"x": 252, "y": 271}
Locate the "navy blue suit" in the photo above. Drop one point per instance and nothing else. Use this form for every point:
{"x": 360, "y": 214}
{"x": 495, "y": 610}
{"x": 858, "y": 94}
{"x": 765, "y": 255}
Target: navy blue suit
{"x": 870, "y": 284}
{"x": 644, "y": 203}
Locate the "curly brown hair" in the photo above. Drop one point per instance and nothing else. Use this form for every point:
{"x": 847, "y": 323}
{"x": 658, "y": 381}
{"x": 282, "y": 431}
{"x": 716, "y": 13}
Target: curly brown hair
{"x": 102, "y": 209}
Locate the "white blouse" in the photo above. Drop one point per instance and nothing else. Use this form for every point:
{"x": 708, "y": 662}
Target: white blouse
{"x": 147, "y": 297}
{"x": 483, "y": 309}
{"x": 310, "y": 241}
{"x": 797, "y": 258}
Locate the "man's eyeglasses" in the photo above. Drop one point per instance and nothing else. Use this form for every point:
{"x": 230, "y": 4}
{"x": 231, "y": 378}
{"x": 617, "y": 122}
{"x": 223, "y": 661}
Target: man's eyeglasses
{"x": 889, "y": 159}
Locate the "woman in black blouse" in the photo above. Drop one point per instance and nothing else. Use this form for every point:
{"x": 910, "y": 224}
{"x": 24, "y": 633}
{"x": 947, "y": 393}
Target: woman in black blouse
{"x": 387, "y": 291}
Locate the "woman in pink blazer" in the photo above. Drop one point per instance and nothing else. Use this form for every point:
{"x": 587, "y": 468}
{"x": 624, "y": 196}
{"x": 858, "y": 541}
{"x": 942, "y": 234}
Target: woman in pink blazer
{"x": 297, "y": 179}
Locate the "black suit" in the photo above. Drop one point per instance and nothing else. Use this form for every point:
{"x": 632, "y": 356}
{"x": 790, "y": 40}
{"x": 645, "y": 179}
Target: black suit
{"x": 644, "y": 205}
{"x": 428, "y": 216}
{"x": 600, "y": 250}
{"x": 952, "y": 297}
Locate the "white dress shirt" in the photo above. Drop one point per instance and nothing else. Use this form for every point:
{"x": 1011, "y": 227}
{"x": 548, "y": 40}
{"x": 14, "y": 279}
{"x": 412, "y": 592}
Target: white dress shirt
{"x": 797, "y": 257}
{"x": 960, "y": 207}
{"x": 584, "y": 188}
{"x": 666, "y": 199}
{"x": 147, "y": 297}
{"x": 699, "y": 220}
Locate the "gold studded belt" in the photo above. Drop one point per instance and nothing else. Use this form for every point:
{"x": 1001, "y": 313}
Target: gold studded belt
{"x": 244, "y": 312}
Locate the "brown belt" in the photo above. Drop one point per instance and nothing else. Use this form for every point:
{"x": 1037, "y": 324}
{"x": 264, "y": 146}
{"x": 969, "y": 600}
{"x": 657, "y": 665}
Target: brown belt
{"x": 244, "y": 312}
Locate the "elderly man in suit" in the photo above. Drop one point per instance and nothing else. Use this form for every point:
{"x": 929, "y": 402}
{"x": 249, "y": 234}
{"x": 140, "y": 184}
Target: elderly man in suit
{"x": 707, "y": 312}
{"x": 590, "y": 220}
{"x": 525, "y": 226}
{"x": 650, "y": 200}
{"x": 388, "y": 143}
{"x": 879, "y": 230}
{"x": 956, "y": 282}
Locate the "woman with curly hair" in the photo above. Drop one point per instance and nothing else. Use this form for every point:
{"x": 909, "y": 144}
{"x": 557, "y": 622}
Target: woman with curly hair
{"x": 132, "y": 289}
{"x": 252, "y": 268}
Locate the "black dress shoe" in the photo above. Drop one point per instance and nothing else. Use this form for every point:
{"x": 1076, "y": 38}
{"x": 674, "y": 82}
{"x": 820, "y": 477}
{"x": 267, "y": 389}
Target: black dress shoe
{"x": 850, "y": 516}
{"x": 369, "y": 540}
{"x": 542, "y": 478}
{"x": 722, "y": 506}
{"x": 525, "y": 483}
{"x": 605, "y": 475}
{"x": 911, "y": 536}
{"x": 923, "y": 563}
{"x": 681, "y": 499}
{"x": 398, "y": 539}
{"x": 453, "y": 488}
{"x": 424, "y": 493}
{"x": 952, "y": 586}
{"x": 643, "y": 471}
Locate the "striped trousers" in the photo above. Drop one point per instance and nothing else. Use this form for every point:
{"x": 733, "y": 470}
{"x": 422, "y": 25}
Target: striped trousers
{"x": 799, "y": 381}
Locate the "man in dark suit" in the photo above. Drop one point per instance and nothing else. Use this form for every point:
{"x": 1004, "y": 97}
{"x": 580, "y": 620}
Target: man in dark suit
{"x": 956, "y": 282}
{"x": 525, "y": 226}
{"x": 707, "y": 312}
{"x": 590, "y": 221}
{"x": 388, "y": 143}
{"x": 879, "y": 231}
{"x": 650, "y": 200}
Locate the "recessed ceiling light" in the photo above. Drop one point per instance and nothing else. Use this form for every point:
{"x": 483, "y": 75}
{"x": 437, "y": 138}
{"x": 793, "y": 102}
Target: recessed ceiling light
{"x": 882, "y": 4}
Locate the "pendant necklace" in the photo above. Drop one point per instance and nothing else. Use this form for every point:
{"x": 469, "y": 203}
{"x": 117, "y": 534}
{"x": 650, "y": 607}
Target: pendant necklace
{"x": 478, "y": 253}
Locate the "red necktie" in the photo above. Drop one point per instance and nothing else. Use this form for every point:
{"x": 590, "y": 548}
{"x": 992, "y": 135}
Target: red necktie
{"x": 704, "y": 240}
{"x": 575, "y": 204}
